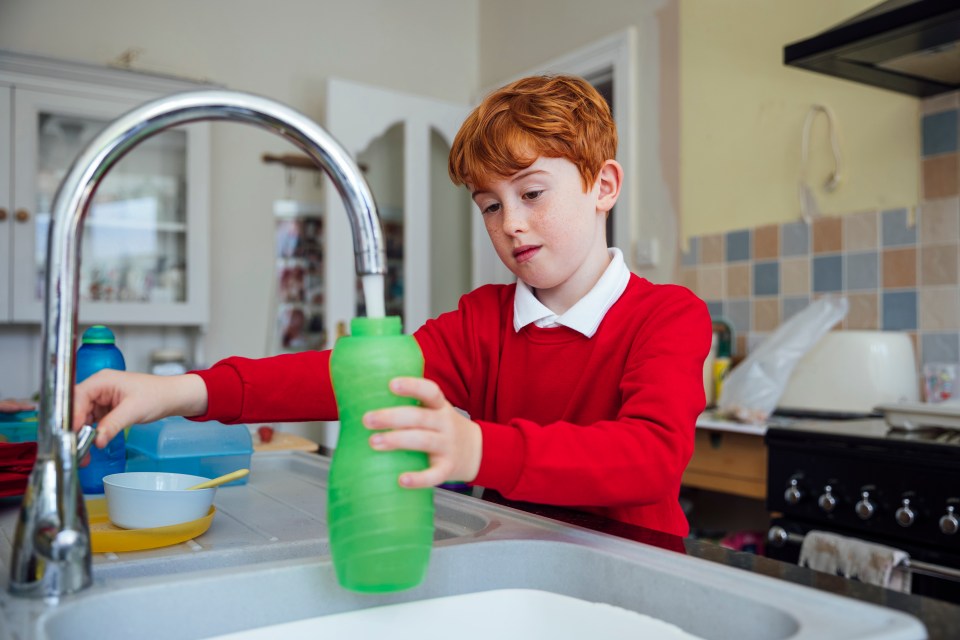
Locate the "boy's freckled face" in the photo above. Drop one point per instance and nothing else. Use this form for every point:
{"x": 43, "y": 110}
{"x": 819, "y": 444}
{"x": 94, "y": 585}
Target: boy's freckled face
{"x": 542, "y": 225}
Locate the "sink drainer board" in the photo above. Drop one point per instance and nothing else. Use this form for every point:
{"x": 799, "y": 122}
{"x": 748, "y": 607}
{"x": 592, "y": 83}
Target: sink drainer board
{"x": 279, "y": 514}
{"x": 703, "y": 598}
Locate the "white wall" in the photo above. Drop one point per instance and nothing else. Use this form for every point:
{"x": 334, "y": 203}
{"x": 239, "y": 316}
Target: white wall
{"x": 516, "y": 37}
{"x": 284, "y": 49}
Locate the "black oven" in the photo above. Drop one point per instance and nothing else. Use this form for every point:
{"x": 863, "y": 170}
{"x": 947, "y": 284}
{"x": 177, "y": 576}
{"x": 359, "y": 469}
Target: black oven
{"x": 863, "y": 479}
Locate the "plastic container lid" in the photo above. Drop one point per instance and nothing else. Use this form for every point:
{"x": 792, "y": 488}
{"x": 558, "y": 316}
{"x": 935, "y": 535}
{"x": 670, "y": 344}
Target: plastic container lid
{"x": 177, "y": 437}
{"x": 99, "y": 334}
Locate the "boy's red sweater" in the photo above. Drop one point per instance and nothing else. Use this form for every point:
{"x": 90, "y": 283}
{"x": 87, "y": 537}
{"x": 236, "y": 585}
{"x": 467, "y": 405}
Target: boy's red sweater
{"x": 605, "y": 424}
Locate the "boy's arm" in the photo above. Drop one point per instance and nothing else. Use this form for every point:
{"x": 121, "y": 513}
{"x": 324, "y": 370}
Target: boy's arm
{"x": 285, "y": 388}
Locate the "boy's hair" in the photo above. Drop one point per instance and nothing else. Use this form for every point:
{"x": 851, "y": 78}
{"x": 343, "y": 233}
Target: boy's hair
{"x": 552, "y": 116}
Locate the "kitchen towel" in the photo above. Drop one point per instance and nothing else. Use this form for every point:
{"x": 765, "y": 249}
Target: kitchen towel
{"x": 16, "y": 463}
{"x": 856, "y": 559}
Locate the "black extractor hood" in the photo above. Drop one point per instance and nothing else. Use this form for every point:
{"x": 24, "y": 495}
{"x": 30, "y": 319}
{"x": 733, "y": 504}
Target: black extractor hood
{"x": 910, "y": 46}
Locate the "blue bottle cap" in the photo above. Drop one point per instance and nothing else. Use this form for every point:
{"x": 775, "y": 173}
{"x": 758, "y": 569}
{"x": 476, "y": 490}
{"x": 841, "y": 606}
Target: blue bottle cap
{"x": 98, "y": 334}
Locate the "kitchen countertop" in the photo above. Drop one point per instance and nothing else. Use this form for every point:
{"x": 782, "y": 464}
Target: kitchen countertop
{"x": 941, "y": 618}
{"x": 709, "y": 420}
{"x": 275, "y": 496}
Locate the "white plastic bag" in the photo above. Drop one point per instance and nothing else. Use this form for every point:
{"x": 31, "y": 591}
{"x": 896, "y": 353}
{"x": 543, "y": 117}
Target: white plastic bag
{"x": 752, "y": 388}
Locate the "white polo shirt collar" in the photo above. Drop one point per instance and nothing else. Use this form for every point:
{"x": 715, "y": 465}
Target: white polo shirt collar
{"x": 584, "y": 316}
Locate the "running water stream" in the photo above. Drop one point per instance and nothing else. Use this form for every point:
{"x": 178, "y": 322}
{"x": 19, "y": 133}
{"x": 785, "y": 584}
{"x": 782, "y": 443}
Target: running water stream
{"x": 373, "y": 295}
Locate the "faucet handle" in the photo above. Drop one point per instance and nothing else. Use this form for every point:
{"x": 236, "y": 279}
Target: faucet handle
{"x": 85, "y": 438}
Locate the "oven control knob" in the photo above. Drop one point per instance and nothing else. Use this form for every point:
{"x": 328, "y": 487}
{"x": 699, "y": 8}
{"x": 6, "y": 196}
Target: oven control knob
{"x": 905, "y": 515}
{"x": 827, "y": 501}
{"x": 949, "y": 523}
{"x": 865, "y": 508}
{"x": 793, "y": 494}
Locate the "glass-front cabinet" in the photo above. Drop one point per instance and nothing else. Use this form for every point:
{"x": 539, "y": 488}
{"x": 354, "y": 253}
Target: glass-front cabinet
{"x": 144, "y": 255}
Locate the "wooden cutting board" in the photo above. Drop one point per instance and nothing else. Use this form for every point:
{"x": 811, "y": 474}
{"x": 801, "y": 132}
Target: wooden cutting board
{"x": 284, "y": 442}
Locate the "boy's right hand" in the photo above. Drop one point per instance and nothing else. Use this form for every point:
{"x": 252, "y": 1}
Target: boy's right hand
{"x": 115, "y": 400}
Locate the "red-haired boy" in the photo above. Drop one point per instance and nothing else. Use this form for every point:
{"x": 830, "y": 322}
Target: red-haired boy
{"x": 581, "y": 383}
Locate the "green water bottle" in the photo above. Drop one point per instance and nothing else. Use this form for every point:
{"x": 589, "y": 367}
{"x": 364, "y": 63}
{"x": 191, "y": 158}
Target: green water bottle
{"x": 380, "y": 533}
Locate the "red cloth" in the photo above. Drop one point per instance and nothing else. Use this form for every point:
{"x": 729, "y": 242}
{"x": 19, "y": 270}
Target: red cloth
{"x": 16, "y": 463}
{"x": 605, "y": 424}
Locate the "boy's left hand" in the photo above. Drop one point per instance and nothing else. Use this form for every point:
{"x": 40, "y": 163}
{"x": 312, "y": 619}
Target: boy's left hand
{"x": 452, "y": 441}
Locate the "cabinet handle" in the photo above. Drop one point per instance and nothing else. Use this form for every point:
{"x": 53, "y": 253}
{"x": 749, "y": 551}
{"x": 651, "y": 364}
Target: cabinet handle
{"x": 22, "y": 215}
{"x": 3, "y": 214}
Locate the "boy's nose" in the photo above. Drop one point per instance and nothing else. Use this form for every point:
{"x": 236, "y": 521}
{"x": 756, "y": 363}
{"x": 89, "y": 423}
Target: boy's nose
{"x": 514, "y": 220}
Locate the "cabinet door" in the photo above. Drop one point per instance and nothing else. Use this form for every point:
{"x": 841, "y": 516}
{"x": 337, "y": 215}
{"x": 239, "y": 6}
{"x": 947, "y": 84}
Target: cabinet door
{"x": 6, "y": 201}
{"x": 143, "y": 243}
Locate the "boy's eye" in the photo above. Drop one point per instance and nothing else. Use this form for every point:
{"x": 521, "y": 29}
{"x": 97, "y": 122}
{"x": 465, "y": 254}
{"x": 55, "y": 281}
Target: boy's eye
{"x": 533, "y": 195}
{"x": 493, "y": 208}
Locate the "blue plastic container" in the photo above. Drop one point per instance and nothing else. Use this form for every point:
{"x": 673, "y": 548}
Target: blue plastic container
{"x": 18, "y": 427}
{"x": 99, "y": 351}
{"x": 178, "y": 445}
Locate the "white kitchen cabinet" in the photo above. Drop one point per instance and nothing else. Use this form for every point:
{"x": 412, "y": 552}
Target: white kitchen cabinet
{"x": 145, "y": 240}
{"x": 6, "y": 202}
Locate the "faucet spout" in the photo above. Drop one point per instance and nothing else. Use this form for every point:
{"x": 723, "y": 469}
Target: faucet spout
{"x": 51, "y": 552}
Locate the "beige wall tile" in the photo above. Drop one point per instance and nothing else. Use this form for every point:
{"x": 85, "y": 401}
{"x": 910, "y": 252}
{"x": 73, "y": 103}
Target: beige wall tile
{"x": 827, "y": 235}
{"x": 938, "y": 264}
{"x": 688, "y": 278}
{"x": 738, "y": 280}
{"x": 766, "y": 314}
{"x": 860, "y": 231}
{"x": 940, "y": 221}
{"x": 766, "y": 242}
{"x": 863, "y": 313}
{"x": 939, "y": 309}
{"x": 899, "y": 267}
{"x": 941, "y": 102}
{"x": 795, "y": 277}
{"x": 710, "y": 282}
{"x": 940, "y": 177}
{"x": 711, "y": 249}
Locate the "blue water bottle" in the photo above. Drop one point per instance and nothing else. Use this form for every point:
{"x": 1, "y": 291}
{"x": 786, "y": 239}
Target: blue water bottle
{"x": 99, "y": 351}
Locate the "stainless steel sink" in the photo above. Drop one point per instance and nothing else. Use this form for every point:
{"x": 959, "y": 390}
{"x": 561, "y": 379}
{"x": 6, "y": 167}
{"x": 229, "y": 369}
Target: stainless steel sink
{"x": 265, "y": 562}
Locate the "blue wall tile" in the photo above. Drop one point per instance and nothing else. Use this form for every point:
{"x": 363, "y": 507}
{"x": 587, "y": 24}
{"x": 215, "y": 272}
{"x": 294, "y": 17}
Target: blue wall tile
{"x": 738, "y": 246}
{"x": 894, "y": 231}
{"x": 793, "y": 305}
{"x": 738, "y": 312}
{"x": 715, "y": 309}
{"x": 899, "y": 309}
{"x": 827, "y": 273}
{"x": 940, "y": 133}
{"x": 766, "y": 278}
{"x": 795, "y": 238}
{"x": 939, "y": 347}
{"x": 691, "y": 257}
{"x": 861, "y": 270}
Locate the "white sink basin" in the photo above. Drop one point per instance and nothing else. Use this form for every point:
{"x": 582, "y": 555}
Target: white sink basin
{"x": 506, "y": 614}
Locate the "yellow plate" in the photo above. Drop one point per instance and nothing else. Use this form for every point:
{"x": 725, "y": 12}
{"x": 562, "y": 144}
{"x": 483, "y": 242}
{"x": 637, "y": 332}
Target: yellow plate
{"x": 104, "y": 536}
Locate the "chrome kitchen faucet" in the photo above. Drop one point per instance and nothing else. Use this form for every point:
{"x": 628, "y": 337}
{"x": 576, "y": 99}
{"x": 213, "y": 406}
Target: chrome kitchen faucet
{"x": 51, "y": 551}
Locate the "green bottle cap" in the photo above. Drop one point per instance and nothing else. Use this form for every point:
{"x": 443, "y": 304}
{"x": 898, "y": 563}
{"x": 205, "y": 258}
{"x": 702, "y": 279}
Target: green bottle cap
{"x": 98, "y": 334}
{"x": 387, "y": 326}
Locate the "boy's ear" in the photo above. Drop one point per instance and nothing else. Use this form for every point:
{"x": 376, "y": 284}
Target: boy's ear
{"x": 609, "y": 180}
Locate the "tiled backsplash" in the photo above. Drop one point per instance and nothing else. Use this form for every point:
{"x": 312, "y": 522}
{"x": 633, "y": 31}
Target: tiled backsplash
{"x": 899, "y": 269}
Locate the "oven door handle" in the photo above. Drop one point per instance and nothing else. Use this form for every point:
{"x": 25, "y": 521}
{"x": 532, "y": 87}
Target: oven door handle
{"x": 779, "y": 537}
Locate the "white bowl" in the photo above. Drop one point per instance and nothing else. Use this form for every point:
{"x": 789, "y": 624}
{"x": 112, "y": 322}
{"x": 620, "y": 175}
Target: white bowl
{"x": 147, "y": 499}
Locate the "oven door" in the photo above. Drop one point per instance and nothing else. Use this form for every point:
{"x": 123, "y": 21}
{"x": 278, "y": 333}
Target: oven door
{"x": 935, "y": 574}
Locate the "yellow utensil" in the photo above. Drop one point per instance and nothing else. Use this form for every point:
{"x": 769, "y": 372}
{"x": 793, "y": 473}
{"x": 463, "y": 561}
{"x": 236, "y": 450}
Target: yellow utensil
{"x": 216, "y": 482}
